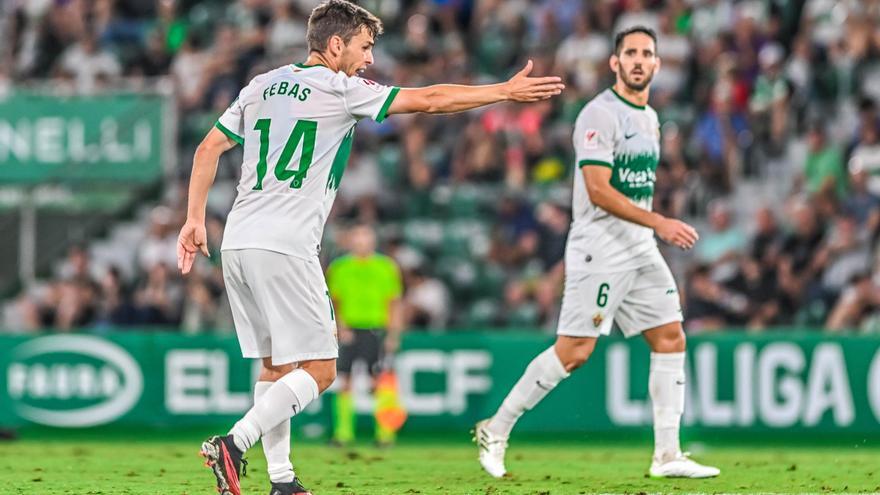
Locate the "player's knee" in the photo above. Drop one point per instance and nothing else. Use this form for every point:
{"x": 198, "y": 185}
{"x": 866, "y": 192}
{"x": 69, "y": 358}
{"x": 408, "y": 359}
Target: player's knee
{"x": 673, "y": 341}
{"x": 328, "y": 378}
{"x": 323, "y": 372}
{"x": 273, "y": 373}
{"x": 574, "y": 352}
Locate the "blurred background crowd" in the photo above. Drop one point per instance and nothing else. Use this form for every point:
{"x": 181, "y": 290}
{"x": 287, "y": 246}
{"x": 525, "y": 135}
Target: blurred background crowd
{"x": 770, "y": 146}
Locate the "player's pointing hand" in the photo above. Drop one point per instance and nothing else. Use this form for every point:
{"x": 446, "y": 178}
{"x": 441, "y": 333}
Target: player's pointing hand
{"x": 193, "y": 238}
{"x": 523, "y": 88}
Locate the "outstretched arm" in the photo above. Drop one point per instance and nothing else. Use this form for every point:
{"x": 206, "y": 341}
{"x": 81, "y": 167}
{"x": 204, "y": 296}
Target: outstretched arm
{"x": 603, "y": 195}
{"x": 449, "y": 98}
{"x": 193, "y": 237}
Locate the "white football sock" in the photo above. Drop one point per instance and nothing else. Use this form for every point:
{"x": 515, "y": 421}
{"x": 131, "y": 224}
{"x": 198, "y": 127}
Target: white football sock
{"x": 666, "y": 384}
{"x": 285, "y": 398}
{"x": 276, "y": 444}
{"x": 540, "y": 377}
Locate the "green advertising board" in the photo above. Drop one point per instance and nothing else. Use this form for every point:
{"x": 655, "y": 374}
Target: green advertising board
{"x": 766, "y": 383}
{"x": 111, "y": 137}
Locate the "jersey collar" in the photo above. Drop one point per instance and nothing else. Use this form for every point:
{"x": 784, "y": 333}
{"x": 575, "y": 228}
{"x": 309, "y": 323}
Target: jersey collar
{"x": 304, "y": 66}
{"x": 640, "y": 107}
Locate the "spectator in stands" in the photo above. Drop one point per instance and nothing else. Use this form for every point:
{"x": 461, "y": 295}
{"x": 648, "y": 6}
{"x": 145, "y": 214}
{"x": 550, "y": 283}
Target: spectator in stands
{"x": 860, "y": 299}
{"x": 797, "y": 267}
{"x": 158, "y": 298}
{"x": 287, "y": 32}
{"x": 866, "y": 157}
{"x": 845, "y": 253}
{"x": 170, "y": 27}
{"x": 76, "y": 304}
{"x": 360, "y": 191}
{"x": 153, "y": 61}
{"x": 90, "y": 67}
{"x": 514, "y": 237}
{"x": 114, "y": 306}
{"x": 823, "y": 171}
{"x": 201, "y": 310}
{"x": 723, "y": 242}
{"x": 709, "y": 305}
{"x": 770, "y": 96}
{"x": 552, "y": 233}
{"x": 189, "y": 72}
{"x": 766, "y": 240}
{"x": 861, "y": 203}
{"x": 582, "y": 56}
{"x": 676, "y": 49}
{"x": 426, "y": 303}
{"x": 160, "y": 244}
{"x": 717, "y": 137}
{"x": 78, "y": 265}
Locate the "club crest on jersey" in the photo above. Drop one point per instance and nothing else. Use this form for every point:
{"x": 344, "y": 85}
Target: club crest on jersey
{"x": 591, "y": 139}
{"x": 371, "y": 84}
{"x": 598, "y": 319}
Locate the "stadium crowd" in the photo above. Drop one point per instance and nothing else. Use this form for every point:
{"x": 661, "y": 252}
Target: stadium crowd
{"x": 770, "y": 144}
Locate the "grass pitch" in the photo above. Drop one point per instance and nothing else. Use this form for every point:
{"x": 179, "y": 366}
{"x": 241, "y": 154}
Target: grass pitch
{"x": 155, "y": 463}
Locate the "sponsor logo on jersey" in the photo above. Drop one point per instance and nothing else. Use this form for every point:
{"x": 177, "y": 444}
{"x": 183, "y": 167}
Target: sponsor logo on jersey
{"x": 591, "y": 139}
{"x": 371, "y": 84}
{"x": 72, "y": 381}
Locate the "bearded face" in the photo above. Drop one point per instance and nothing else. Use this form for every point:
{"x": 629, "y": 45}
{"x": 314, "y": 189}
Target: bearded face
{"x": 636, "y": 61}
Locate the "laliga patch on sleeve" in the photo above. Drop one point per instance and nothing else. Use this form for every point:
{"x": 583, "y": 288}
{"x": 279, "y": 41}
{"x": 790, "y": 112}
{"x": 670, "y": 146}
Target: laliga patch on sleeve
{"x": 369, "y": 83}
{"x": 591, "y": 139}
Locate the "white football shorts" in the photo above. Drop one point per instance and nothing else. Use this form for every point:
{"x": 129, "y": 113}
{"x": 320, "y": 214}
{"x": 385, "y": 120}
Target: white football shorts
{"x": 280, "y": 306}
{"x": 637, "y": 300}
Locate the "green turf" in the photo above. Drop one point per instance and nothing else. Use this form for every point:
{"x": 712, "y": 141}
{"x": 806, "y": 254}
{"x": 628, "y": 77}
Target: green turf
{"x": 170, "y": 466}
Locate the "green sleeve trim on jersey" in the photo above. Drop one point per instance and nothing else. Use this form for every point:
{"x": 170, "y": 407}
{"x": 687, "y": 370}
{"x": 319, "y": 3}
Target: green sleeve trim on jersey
{"x": 231, "y": 135}
{"x": 584, "y": 163}
{"x": 383, "y": 112}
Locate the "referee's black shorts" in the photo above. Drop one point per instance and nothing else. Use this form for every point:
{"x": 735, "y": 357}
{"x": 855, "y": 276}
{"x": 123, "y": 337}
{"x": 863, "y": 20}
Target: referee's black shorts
{"x": 367, "y": 345}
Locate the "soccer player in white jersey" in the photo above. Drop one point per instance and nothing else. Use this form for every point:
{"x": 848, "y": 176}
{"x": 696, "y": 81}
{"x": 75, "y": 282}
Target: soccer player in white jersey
{"x": 613, "y": 268}
{"x": 296, "y": 124}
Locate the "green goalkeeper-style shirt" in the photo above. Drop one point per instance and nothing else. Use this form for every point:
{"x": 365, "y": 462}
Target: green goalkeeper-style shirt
{"x": 363, "y": 288}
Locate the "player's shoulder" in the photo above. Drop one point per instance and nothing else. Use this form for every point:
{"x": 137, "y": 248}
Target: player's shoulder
{"x": 354, "y": 83}
{"x": 600, "y": 106}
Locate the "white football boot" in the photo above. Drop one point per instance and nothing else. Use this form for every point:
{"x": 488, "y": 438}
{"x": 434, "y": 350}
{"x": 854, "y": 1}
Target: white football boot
{"x": 682, "y": 467}
{"x": 492, "y": 448}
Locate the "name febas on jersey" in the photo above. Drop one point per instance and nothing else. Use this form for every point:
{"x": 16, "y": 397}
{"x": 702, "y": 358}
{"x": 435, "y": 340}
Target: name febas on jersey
{"x": 296, "y": 125}
{"x": 613, "y": 132}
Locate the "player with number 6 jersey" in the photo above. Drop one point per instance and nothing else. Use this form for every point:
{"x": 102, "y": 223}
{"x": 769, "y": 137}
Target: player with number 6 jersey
{"x": 296, "y": 124}
{"x": 613, "y": 268}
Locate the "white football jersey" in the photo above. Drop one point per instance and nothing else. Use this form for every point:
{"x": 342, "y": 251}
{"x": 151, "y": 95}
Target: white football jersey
{"x": 296, "y": 124}
{"x": 615, "y": 133}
